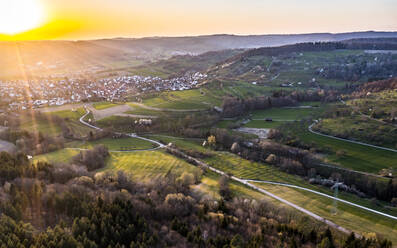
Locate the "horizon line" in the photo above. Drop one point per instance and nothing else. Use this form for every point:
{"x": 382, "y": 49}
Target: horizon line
{"x": 192, "y": 36}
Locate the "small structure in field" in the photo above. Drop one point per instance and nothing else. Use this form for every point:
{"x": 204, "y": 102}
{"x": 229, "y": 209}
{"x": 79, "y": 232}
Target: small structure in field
{"x": 144, "y": 122}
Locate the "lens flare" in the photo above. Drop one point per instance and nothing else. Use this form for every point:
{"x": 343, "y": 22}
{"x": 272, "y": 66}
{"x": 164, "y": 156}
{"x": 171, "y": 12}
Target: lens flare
{"x": 17, "y": 16}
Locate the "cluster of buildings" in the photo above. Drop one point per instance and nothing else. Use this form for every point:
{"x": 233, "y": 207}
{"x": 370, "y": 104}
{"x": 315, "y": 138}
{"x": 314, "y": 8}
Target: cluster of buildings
{"x": 24, "y": 94}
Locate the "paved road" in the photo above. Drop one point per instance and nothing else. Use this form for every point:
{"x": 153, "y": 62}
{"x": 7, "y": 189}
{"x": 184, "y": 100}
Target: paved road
{"x": 322, "y": 194}
{"x": 347, "y": 140}
{"x": 248, "y": 184}
{"x": 159, "y": 145}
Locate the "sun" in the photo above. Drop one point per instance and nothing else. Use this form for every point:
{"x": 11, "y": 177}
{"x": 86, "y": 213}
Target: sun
{"x": 17, "y": 16}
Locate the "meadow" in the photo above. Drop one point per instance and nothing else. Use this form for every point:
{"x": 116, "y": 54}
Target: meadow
{"x": 347, "y": 216}
{"x": 263, "y": 124}
{"x": 118, "y": 144}
{"x": 361, "y": 129}
{"x": 46, "y": 123}
{"x": 356, "y": 157}
{"x": 103, "y": 105}
{"x": 206, "y": 97}
{"x": 287, "y": 113}
{"x": 187, "y": 99}
{"x": 59, "y": 156}
{"x": 350, "y": 217}
{"x": 148, "y": 165}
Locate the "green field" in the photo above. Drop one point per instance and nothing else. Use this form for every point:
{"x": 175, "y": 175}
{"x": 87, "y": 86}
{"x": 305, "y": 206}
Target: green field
{"x": 207, "y": 96}
{"x": 44, "y": 126}
{"x": 118, "y": 144}
{"x": 148, "y": 165}
{"x": 286, "y": 114}
{"x": 139, "y": 110}
{"x": 118, "y": 123}
{"x": 225, "y": 123}
{"x": 361, "y": 129}
{"x": 72, "y": 121}
{"x": 250, "y": 170}
{"x": 70, "y": 114}
{"x": 357, "y": 219}
{"x": 60, "y": 156}
{"x": 350, "y": 217}
{"x": 263, "y": 124}
{"x": 357, "y": 157}
{"x": 187, "y": 99}
{"x": 103, "y": 105}
{"x": 293, "y": 69}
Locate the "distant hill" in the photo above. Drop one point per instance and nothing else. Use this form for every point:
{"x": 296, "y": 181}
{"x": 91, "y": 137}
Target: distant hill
{"x": 346, "y": 61}
{"x": 24, "y": 57}
{"x": 200, "y": 44}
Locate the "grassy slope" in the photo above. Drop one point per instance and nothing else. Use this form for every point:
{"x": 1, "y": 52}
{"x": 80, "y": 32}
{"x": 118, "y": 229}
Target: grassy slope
{"x": 294, "y": 69}
{"x": 187, "y": 99}
{"x": 148, "y": 165}
{"x": 358, "y": 157}
{"x": 350, "y": 217}
{"x": 72, "y": 121}
{"x": 208, "y": 96}
{"x": 372, "y": 131}
{"x": 286, "y": 113}
{"x": 263, "y": 124}
{"x": 103, "y": 105}
{"x": 118, "y": 144}
{"x": 60, "y": 156}
{"x": 45, "y": 127}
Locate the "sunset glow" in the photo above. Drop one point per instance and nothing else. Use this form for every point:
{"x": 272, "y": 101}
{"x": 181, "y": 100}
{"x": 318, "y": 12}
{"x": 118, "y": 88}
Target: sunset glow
{"x": 93, "y": 19}
{"x": 17, "y": 16}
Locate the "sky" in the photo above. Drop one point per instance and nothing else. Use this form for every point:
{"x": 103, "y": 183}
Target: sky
{"x": 93, "y": 19}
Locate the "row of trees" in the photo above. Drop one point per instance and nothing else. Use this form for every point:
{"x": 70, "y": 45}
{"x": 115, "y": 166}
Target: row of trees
{"x": 233, "y": 106}
{"x": 296, "y": 158}
{"x": 364, "y": 70}
{"x": 376, "y": 86}
{"x": 372, "y": 186}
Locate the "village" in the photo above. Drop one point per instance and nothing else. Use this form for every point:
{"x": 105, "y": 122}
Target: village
{"x": 21, "y": 94}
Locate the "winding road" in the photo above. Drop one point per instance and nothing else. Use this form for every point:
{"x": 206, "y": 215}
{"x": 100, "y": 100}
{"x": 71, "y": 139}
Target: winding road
{"x": 310, "y": 128}
{"x": 249, "y": 184}
{"x": 132, "y": 135}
